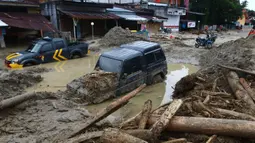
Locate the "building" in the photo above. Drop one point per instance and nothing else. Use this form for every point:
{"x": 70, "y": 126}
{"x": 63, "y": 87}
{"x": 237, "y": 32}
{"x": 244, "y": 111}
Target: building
{"x": 170, "y": 9}
{"x": 24, "y": 21}
{"x": 82, "y": 18}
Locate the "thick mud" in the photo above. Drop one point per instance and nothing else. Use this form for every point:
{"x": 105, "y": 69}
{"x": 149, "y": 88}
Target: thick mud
{"x": 159, "y": 93}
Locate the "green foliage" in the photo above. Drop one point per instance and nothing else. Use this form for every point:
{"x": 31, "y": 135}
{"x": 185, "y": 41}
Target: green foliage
{"x": 218, "y": 11}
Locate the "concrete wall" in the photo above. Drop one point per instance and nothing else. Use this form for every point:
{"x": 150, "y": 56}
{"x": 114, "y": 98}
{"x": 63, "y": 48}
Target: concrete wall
{"x": 49, "y": 9}
{"x": 172, "y": 22}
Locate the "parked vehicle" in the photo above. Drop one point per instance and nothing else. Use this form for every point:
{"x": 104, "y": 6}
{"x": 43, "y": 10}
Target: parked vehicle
{"x": 206, "y": 42}
{"x": 136, "y": 63}
{"x": 46, "y": 50}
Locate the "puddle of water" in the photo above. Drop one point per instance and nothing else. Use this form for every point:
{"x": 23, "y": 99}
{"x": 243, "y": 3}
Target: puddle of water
{"x": 159, "y": 94}
{"x": 64, "y": 72}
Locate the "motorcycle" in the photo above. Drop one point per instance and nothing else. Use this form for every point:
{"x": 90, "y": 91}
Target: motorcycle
{"x": 205, "y": 42}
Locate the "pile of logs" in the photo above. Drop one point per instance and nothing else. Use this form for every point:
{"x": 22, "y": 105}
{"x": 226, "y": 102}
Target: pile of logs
{"x": 147, "y": 126}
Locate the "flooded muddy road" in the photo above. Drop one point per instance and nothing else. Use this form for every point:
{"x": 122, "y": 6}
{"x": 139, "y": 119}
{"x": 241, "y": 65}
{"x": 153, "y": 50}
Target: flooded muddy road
{"x": 62, "y": 73}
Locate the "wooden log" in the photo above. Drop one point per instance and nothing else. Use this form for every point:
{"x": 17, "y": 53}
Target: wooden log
{"x": 145, "y": 114}
{"x": 107, "y": 111}
{"x": 7, "y": 103}
{"x": 216, "y": 93}
{"x": 113, "y": 135}
{"x": 235, "y": 114}
{"x": 161, "y": 124}
{"x": 238, "y": 90}
{"x": 141, "y": 134}
{"x": 212, "y": 139}
{"x": 236, "y": 69}
{"x": 210, "y": 126}
{"x": 247, "y": 88}
{"x": 181, "y": 140}
{"x": 85, "y": 137}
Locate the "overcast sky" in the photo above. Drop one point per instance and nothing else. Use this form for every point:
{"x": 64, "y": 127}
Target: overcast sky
{"x": 251, "y": 4}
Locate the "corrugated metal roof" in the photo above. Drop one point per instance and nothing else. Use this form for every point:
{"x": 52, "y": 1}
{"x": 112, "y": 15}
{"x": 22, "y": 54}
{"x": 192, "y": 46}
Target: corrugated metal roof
{"x": 23, "y": 3}
{"x": 132, "y": 17}
{"x": 27, "y": 21}
{"x": 2, "y": 24}
{"x": 154, "y": 18}
{"x": 89, "y": 15}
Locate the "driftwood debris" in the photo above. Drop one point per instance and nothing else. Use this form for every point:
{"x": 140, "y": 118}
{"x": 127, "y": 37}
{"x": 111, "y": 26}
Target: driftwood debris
{"x": 247, "y": 88}
{"x": 235, "y": 114}
{"x": 181, "y": 140}
{"x": 141, "y": 134}
{"x": 107, "y": 111}
{"x": 237, "y": 69}
{"x": 7, "y": 103}
{"x": 212, "y": 139}
{"x": 161, "y": 124}
{"x": 85, "y": 137}
{"x": 225, "y": 127}
{"x": 238, "y": 89}
{"x": 145, "y": 114}
{"x": 113, "y": 135}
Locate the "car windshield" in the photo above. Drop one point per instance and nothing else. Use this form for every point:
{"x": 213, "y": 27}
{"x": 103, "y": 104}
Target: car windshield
{"x": 33, "y": 48}
{"x": 110, "y": 65}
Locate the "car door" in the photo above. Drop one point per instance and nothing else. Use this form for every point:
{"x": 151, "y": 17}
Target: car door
{"x": 132, "y": 75}
{"x": 62, "y": 52}
{"x": 47, "y": 52}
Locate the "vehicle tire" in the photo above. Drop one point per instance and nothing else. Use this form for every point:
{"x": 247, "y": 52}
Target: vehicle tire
{"x": 76, "y": 56}
{"x": 28, "y": 64}
{"x": 157, "y": 79}
{"x": 197, "y": 45}
{"x": 209, "y": 46}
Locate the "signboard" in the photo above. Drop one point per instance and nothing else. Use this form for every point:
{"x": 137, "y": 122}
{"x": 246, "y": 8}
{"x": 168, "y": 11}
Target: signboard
{"x": 176, "y": 11}
{"x": 191, "y": 24}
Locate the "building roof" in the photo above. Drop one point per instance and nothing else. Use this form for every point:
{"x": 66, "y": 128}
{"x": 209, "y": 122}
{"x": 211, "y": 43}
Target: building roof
{"x": 195, "y": 13}
{"x": 27, "y": 21}
{"x": 21, "y": 3}
{"x": 90, "y": 15}
{"x": 131, "y": 17}
{"x": 122, "y": 54}
{"x": 142, "y": 46}
{"x": 155, "y": 18}
{"x": 2, "y": 24}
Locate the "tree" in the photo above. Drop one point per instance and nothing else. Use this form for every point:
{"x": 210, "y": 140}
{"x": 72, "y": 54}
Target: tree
{"x": 218, "y": 11}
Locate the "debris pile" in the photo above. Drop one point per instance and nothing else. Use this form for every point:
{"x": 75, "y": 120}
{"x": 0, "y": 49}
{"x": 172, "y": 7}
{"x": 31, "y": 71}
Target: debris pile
{"x": 14, "y": 82}
{"x": 93, "y": 88}
{"x": 239, "y": 53}
{"x": 118, "y": 36}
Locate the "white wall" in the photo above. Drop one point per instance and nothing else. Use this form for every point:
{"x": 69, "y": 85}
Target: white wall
{"x": 173, "y": 22}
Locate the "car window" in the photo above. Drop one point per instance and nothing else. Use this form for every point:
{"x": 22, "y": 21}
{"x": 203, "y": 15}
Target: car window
{"x": 159, "y": 55}
{"x": 46, "y": 48}
{"x": 132, "y": 65}
{"x": 109, "y": 65}
{"x": 150, "y": 58}
{"x": 59, "y": 45}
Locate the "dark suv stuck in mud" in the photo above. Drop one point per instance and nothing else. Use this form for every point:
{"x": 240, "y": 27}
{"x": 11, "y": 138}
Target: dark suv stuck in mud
{"x": 136, "y": 63}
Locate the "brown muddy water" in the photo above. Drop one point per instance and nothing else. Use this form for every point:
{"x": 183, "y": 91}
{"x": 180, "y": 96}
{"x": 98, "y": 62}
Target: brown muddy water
{"x": 62, "y": 73}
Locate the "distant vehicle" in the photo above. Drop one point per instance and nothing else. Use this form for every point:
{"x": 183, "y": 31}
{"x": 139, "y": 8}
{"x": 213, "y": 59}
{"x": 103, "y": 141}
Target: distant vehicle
{"x": 205, "y": 42}
{"x": 136, "y": 63}
{"x": 46, "y": 50}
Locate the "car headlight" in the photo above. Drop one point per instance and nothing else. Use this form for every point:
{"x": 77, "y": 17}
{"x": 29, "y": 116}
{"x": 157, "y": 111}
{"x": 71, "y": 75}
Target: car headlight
{"x": 15, "y": 60}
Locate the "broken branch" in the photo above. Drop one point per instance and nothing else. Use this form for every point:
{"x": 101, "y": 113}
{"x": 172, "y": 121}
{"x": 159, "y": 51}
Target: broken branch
{"x": 107, "y": 111}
